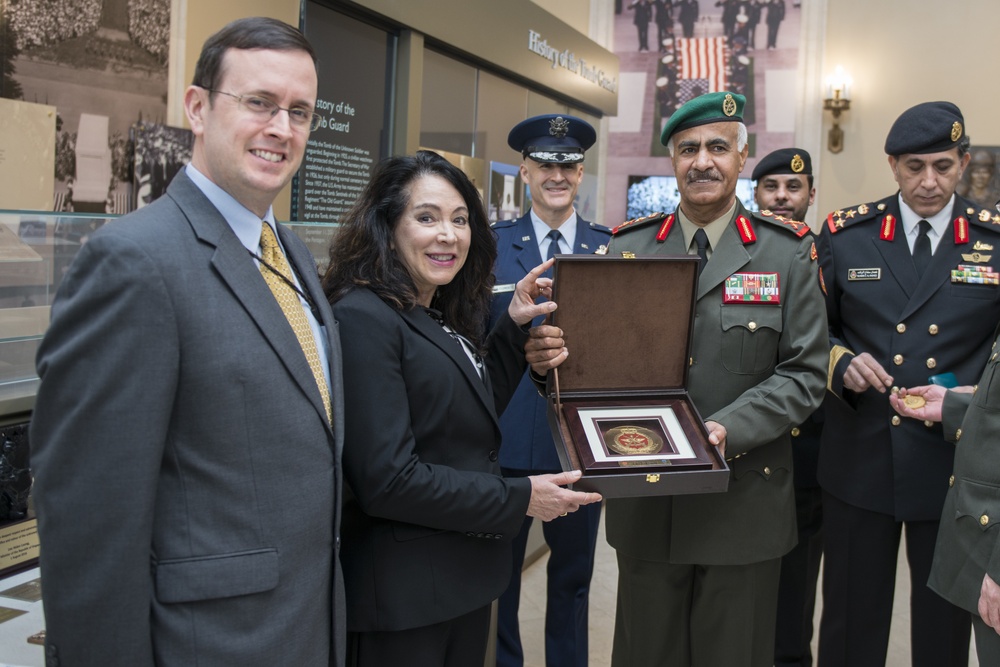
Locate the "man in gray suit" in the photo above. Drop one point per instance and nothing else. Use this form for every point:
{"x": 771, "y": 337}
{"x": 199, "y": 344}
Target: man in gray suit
{"x": 188, "y": 428}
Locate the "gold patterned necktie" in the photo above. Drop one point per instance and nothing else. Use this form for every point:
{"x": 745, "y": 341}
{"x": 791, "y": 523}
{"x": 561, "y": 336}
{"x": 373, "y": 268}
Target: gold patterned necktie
{"x": 292, "y": 307}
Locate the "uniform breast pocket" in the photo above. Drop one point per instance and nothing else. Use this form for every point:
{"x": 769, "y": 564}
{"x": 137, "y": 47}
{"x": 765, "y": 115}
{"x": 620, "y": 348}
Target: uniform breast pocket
{"x": 750, "y": 337}
{"x": 972, "y": 291}
{"x": 988, "y": 390}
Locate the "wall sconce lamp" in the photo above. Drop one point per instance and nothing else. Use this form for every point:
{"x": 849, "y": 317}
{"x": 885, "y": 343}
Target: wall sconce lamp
{"x": 837, "y": 99}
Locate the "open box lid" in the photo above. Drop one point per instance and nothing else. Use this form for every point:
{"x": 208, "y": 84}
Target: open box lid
{"x": 627, "y": 322}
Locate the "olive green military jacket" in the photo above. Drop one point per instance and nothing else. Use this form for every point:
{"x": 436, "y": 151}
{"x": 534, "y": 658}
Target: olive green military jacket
{"x": 967, "y": 544}
{"x": 756, "y": 368}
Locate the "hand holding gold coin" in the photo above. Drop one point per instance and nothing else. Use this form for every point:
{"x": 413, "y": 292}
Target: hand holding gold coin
{"x": 914, "y": 402}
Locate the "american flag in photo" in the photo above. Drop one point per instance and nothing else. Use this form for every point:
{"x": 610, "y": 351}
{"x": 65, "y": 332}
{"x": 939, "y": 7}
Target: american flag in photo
{"x": 703, "y": 58}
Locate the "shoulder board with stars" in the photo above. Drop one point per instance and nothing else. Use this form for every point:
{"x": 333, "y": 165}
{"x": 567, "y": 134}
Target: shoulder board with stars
{"x": 983, "y": 217}
{"x": 635, "y": 223}
{"x": 798, "y": 228}
{"x": 845, "y": 217}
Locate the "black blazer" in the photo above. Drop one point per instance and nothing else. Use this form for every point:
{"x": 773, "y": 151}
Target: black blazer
{"x": 427, "y": 518}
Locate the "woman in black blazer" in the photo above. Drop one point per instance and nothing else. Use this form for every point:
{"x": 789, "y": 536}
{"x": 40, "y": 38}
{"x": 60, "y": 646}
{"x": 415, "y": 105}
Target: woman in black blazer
{"x": 427, "y": 518}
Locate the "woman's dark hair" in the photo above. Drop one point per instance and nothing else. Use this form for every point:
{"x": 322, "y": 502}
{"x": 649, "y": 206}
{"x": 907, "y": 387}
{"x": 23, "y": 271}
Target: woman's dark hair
{"x": 361, "y": 252}
{"x": 256, "y": 32}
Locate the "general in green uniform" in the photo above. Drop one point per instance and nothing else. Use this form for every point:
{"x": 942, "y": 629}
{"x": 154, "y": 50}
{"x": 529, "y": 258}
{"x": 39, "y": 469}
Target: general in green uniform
{"x": 698, "y": 574}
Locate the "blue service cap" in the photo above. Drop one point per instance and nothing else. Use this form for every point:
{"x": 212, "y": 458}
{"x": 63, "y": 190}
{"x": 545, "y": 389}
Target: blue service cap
{"x": 555, "y": 138}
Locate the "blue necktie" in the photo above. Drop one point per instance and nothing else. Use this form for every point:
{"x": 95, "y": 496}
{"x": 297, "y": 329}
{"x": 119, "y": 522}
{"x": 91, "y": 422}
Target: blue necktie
{"x": 553, "y": 237}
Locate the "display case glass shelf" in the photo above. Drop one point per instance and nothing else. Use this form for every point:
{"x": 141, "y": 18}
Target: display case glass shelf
{"x": 36, "y": 248}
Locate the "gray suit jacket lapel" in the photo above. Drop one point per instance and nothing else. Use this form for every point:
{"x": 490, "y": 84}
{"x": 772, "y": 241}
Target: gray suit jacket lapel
{"x": 237, "y": 269}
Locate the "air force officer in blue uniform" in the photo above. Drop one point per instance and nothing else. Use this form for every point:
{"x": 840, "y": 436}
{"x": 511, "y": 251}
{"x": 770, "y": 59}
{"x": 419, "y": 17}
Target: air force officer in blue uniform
{"x": 552, "y": 147}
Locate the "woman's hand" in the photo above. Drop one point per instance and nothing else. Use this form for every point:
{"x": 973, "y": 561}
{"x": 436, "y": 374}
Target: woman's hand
{"x": 550, "y": 500}
{"x": 522, "y": 308}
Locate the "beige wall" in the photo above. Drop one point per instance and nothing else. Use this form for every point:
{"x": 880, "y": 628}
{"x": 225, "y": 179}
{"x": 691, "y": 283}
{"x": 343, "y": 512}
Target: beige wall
{"x": 575, "y": 13}
{"x": 901, "y": 53}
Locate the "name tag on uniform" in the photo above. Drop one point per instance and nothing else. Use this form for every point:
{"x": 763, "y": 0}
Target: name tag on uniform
{"x": 752, "y": 288}
{"x": 864, "y": 274}
{"x": 501, "y": 289}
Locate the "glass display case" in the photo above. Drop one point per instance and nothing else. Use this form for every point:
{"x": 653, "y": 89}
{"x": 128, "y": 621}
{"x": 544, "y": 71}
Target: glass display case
{"x": 36, "y": 248}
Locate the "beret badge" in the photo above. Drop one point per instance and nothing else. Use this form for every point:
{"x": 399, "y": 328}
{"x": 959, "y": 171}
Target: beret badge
{"x": 798, "y": 164}
{"x": 558, "y": 127}
{"x": 956, "y": 131}
{"x": 729, "y": 105}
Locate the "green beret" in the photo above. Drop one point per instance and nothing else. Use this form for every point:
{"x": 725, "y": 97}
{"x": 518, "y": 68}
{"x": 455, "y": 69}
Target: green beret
{"x": 704, "y": 109}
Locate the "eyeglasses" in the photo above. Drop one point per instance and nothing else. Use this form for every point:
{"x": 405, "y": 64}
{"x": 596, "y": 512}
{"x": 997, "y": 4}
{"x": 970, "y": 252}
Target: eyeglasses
{"x": 265, "y": 109}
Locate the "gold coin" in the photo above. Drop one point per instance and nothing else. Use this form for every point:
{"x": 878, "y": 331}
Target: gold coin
{"x": 914, "y": 402}
{"x": 632, "y": 440}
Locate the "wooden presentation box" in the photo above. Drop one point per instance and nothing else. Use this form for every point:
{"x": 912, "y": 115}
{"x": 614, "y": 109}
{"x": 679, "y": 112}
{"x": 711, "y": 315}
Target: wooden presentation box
{"x": 618, "y": 406}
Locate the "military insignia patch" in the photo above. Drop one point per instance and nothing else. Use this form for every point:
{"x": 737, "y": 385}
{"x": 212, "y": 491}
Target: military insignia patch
{"x": 729, "y": 105}
{"x": 752, "y": 288}
{"x": 745, "y": 229}
{"x": 975, "y": 277}
{"x": 975, "y": 257}
{"x": 984, "y": 216}
{"x": 961, "y": 230}
{"x": 982, "y": 246}
{"x": 798, "y": 164}
{"x": 812, "y": 252}
{"x": 956, "y": 131}
{"x": 864, "y": 274}
{"x": 558, "y": 127}
{"x": 888, "y": 231}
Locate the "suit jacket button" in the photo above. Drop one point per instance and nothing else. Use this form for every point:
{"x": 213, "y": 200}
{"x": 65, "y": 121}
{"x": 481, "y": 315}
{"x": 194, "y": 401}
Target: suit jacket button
{"x": 469, "y": 533}
{"x": 984, "y": 520}
{"x": 767, "y": 471}
{"x": 901, "y": 328}
{"x": 479, "y": 535}
{"x": 896, "y": 421}
{"x": 928, "y": 423}
{"x": 488, "y": 536}
{"x": 951, "y": 481}
{"x": 958, "y": 435}
{"x": 498, "y": 536}
{"x": 795, "y": 432}
{"x": 932, "y": 363}
{"x": 898, "y": 360}
{"x": 933, "y": 329}
{"x": 493, "y": 455}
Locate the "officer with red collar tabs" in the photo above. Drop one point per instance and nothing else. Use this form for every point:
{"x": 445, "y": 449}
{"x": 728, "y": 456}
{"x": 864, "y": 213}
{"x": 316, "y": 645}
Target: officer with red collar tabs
{"x": 911, "y": 295}
{"x": 785, "y": 188}
{"x": 552, "y": 149}
{"x": 698, "y": 574}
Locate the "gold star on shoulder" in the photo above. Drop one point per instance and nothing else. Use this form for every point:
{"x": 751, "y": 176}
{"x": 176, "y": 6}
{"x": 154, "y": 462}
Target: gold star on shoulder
{"x": 851, "y": 213}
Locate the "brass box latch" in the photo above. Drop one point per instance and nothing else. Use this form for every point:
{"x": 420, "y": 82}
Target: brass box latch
{"x": 628, "y": 255}
{"x": 653, "y": 478}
